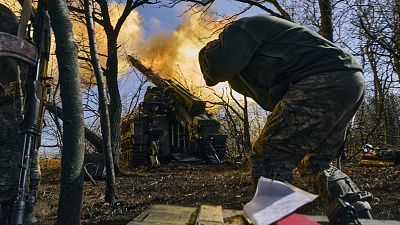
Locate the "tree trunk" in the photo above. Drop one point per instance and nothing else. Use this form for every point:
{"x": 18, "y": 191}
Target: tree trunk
{"x": 115, "y": 98}
{"x": 246, "y": 126}
{"x": 103, "y": 108}
{"x": 326, "y": 29}
{"x": 392, "y": 120}
{"x": 379, "y": 98}
{"x": 396, "y": 57}
{"x": 71, "y": 187}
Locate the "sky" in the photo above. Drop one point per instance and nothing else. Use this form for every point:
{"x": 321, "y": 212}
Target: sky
{"x": 158, "y": 19}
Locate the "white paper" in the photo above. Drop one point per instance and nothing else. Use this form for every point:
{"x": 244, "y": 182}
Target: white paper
{"x": 274, "y": 200}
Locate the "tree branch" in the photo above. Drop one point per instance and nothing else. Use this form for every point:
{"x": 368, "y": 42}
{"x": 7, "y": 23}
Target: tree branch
{"x": 95, "y": 140}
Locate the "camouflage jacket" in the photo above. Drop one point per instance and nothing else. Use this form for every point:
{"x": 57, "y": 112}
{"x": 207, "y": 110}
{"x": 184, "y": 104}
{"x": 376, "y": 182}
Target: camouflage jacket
{"x": 259, "y": 56}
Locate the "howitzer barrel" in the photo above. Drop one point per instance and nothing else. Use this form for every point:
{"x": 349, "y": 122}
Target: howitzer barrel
{"x": 147, "y": 72}
{"x": 195, "y": 105}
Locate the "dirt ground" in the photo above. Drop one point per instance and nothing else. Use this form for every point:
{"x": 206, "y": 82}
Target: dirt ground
{"x": 226, "y": 184}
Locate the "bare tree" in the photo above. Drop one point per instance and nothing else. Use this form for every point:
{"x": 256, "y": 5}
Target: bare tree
{"x": 103, "y": 108}
{"x": 326, "y": 29}
{"x": 379, "y": 22}
{"x": 235, "y": 110}
{"x": 102, "y": 17}
{"x": 271, "y": 7}
{"x": 378, "y": 25}
{"x": 111, "y": 71}
{"x": 71, "y": 188}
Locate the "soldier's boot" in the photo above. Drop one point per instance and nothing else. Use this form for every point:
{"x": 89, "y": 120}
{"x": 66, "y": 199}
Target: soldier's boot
{"x": 341, "y": 195}
{"x": 341, "y": 186}
{"x": 29, "y": 216}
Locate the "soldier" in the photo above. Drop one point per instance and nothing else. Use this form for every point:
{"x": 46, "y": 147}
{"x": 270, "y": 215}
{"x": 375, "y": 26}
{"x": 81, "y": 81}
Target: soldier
{"x": 11, "y": 140}
{"x": 312, "y": 87}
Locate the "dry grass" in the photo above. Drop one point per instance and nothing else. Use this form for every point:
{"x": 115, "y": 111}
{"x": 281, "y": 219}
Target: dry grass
{"x": 50, "y": 164}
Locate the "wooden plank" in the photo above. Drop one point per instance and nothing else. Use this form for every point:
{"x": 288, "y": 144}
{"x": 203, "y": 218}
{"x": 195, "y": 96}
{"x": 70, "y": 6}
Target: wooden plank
{"x": 210, "y": 215}
{"x": 146, "y": 223}
{"x": 164, "y": 215}
{"x": 377, "y": 163}
{"x": 235, "y": 217}
{"x": 142, "y": 216}
{"x": 172, "y": 208}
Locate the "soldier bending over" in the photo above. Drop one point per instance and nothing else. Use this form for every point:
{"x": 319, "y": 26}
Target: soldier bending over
{"x": 312, "y": 87}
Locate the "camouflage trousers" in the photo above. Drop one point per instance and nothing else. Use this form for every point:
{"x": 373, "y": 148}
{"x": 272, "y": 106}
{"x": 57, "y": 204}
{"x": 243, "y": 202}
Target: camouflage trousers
{"x": 307, "y": 126}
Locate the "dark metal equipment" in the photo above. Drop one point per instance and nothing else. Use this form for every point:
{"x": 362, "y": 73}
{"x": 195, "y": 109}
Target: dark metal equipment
{"x": 172, "y": 122}
{"x": 341, "y": 212}
{"x": 383, "y": 153}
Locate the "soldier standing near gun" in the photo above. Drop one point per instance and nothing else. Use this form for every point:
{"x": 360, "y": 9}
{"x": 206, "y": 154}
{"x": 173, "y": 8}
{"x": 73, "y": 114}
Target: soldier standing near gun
{"x": 312, "y": 87}
{"x": 11, "y": 137}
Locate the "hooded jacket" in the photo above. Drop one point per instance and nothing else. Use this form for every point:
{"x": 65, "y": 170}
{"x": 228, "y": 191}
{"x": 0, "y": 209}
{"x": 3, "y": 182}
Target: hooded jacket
{"x": 261, "y": 55}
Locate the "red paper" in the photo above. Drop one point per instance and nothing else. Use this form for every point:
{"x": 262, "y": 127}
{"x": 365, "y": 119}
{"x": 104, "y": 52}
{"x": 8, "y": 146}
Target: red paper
{"x": 296, "y": 219}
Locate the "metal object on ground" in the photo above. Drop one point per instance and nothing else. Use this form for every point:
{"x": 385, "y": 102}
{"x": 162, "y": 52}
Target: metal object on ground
{"x": 172, "y": 121}
{"x": 341, "y": 212}
{"x": 94, "y": 166}
{"x": 374, "y": 156}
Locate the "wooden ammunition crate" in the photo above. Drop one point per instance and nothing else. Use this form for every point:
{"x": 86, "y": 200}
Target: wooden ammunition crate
{"x": 212, "y": 215}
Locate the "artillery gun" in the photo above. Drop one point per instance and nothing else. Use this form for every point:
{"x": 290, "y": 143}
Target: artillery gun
{"x": 172, "y": 122}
